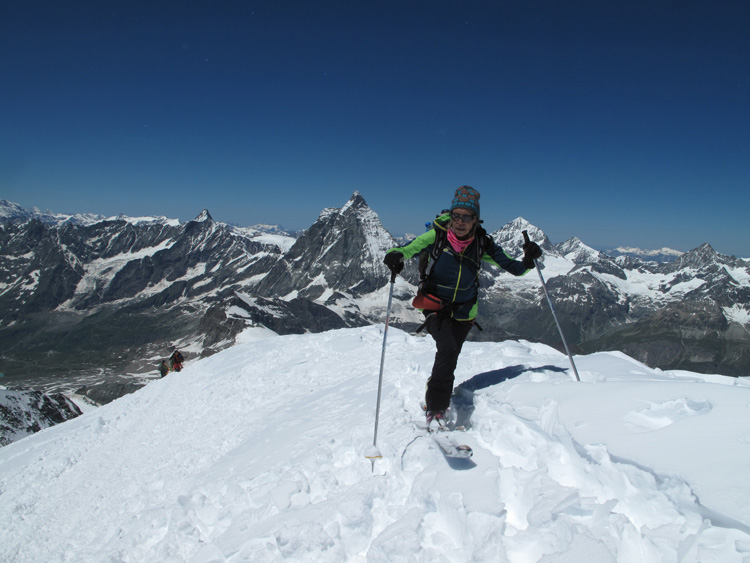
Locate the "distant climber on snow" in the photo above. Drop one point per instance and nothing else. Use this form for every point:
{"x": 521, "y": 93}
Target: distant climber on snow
{"x": 175, "y": 361}
{"x": 163, "y": 368}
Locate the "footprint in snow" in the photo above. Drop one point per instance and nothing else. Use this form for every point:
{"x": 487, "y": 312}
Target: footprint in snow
{"x": 661, "y": 415}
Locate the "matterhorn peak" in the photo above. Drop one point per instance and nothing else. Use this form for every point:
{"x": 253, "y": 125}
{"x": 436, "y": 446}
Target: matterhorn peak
{"x": 204, "y": 217}
{"x": 357, "y": 201}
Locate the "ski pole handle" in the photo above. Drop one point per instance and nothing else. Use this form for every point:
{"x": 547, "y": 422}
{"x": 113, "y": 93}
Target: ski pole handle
{"x": 527, "y": 240}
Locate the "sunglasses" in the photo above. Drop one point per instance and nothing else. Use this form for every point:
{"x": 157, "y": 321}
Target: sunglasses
{"x": 463, "y": 217}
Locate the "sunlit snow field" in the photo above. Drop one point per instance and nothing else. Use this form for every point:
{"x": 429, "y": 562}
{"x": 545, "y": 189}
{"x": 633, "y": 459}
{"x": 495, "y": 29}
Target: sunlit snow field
{"x": 257, "y": 454}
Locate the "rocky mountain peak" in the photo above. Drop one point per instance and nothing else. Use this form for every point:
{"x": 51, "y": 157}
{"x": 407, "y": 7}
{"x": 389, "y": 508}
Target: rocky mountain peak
{"x": 700, "y": 257}
{"x": 341, "y": 251}
{"x": 10, "y": 211}
{"x": 510, "y": 236}
{"x": 579, "y": 253}
{"x": 355, "y": 205}
{"x": 204, "y": 217}
{"x": 357, "y": 201}
{"x": 572, "y": 243}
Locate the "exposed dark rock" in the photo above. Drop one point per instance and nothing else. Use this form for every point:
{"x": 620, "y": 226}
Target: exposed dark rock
{"x": 23, "y": 413}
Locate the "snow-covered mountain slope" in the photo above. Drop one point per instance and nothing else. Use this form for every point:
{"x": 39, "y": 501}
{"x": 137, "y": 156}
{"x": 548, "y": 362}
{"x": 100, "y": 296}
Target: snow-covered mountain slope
{"x": 257, "y": 454}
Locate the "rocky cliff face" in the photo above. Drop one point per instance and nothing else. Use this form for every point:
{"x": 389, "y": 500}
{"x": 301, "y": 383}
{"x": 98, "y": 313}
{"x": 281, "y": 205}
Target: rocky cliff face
{"x": 25, "y": 412}
{"x": 694, "y": 317}
{"x": 116, "y": 294}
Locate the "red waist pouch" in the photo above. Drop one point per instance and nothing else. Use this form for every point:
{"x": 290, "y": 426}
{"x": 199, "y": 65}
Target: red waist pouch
{"x": 427, "y": 302}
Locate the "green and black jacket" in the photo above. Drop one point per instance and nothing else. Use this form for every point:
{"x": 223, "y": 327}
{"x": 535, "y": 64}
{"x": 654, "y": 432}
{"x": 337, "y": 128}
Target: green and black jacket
{"x": 454, "y": 277}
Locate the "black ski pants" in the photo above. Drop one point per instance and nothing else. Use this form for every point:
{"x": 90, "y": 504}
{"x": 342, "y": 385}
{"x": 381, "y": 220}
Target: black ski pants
{"x": 449, "y": 336}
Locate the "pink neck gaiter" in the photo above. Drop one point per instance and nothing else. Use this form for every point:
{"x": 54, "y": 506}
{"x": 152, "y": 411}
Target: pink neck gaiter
{"x": 458, "y": 245}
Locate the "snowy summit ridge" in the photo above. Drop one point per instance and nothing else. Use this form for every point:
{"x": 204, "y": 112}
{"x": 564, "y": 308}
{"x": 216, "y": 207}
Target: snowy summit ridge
{"x": 631, "y": 464}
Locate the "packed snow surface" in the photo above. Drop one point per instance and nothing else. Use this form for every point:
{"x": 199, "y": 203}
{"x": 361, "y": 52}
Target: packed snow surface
{"x": 258, "y": 454}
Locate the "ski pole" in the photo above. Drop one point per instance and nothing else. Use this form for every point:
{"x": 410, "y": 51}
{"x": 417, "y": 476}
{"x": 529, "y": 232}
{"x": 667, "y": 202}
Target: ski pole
{"x": 374, "y": 453}
{"x": 552, "y": 308}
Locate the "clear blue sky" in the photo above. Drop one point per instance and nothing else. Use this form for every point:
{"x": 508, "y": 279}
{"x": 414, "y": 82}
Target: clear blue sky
{"x": 622, "y": 123}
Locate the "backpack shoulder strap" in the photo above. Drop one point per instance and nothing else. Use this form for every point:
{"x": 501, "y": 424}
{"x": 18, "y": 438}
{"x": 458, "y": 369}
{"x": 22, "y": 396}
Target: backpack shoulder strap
{"x": 441, "y": 239}
{"x": 482, "y": 242}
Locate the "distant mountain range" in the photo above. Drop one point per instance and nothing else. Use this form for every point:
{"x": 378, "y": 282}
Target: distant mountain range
{"x": 13, "y": 213}
{"x": 660, "y": 255}
{"x": 87, "y": 301}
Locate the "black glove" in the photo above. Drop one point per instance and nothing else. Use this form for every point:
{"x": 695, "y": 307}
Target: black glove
{"x": 531, "y": 252}
{"x": 395, "y": 261}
